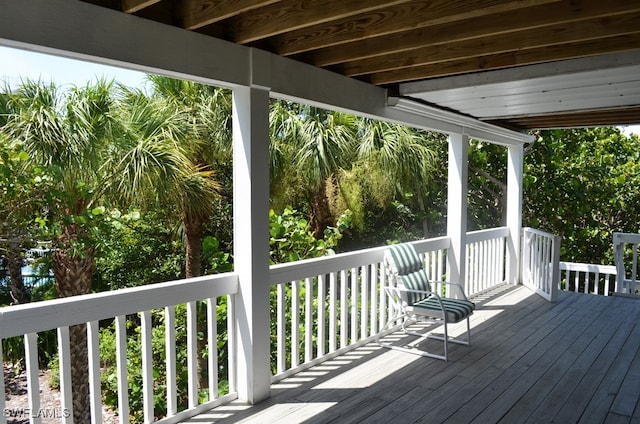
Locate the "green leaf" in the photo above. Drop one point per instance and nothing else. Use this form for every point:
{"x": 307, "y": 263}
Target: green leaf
{"x": 210, "y": 244}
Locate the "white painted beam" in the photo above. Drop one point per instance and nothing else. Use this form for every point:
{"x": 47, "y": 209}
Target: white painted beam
{"x": 251, "y": 240}
{"x": 514, "y": 211}
{"x": 459, "y": 124}
{"x": 457, "y": 206}
{"x": 80, "y": 30}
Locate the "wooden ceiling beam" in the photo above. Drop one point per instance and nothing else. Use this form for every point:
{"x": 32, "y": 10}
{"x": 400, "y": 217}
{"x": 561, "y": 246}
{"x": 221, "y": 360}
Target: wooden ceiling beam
{"x": 519, "y": 40}
{"x": 132, "y": 6}
{"x": 268, "y": 21}
{"x": 198, "y": 13}
{"x": 496, "y": 24}
{"x": 407, "y": 16}
{"x": 503, "y": 60}
{"x": 603, "y": 117}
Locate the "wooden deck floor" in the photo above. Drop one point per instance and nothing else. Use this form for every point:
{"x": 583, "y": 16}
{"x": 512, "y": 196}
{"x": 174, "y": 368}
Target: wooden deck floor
{"x": 530, "y": 362}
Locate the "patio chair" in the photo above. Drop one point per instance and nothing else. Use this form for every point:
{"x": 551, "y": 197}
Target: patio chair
{"x": 412, "y": 299}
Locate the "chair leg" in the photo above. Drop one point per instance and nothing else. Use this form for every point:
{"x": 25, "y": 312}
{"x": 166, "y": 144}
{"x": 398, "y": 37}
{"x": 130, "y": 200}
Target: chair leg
{"x": 444, "y": 338}
{"x": 466, "y": 342}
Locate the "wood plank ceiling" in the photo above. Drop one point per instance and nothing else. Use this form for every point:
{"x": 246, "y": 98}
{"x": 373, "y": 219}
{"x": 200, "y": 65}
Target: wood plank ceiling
{"x": 393, "y": 42}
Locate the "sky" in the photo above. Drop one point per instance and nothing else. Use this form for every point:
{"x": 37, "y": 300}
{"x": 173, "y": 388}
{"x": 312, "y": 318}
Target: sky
{"x": 17, "y": 65}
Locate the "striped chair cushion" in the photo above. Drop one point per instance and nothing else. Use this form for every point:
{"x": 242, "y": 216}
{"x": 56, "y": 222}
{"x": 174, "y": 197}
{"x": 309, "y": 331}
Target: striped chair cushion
{"x": 417, "y": 280}
{"x": 403, "y": 258}
{"x": 455, "y": 309}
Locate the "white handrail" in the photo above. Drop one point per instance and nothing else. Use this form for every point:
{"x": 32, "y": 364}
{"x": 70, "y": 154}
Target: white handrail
{"x": 486, "y": 259}
{"x": 488, "y": 234}
{"x": 587, "y": 278}
{"x": 29, "y": 319}
{"x": 541, "y": 262}
{"x": 627, "y": 278}
{"x": 327, "y": 264}
{"x": 51, "y": 314}
{"x": 325, "y": 306}
{"x": 349, "y": 306}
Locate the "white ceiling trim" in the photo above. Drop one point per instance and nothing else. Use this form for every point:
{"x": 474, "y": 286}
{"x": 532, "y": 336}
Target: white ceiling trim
{"x": 550, "y": 69}
{"x": 580, "y": 85}
{"x": 470, "y": 126}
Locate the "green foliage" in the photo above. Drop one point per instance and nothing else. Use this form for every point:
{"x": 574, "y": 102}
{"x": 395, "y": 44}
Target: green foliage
{"x": 24, "y": 192}
{"x": 291, "y": 238}
{"x": 217, "y": 260}
{"x": 583, "y": 184}
{"x": 109, "y": 378}
{"x": 137, "y": 252}
{"x": 13, "y": 350}
{"x": 487, "y": 185}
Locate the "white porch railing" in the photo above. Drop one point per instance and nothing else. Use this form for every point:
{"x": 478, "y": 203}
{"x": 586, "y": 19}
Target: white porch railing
{"x": 486, "y": 259}
{"x": 587, "y": 278}
{"x": 28, "y": 320}
{"x": 540, "y": 262}
{"x": 625, "y": 254}
{"x": 321, "y": 308}
{"x": 326, "y": 306}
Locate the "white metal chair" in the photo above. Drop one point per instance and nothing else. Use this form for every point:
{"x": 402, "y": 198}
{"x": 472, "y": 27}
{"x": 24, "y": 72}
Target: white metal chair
{"x": 411, "y": 299}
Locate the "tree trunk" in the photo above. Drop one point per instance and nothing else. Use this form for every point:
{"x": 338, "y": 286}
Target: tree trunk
{"x": 320, "y": 211}
{"x": 16, "y": 282}
{"x": 423, "y": 209}
{"x": 73, "y": 277}
{"x": 193, "y": 234}
{"x": 193, "y": 227}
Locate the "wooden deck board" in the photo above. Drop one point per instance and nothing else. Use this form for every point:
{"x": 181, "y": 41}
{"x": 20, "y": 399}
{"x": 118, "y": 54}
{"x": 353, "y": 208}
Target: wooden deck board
{"x": 530, "y": 361}
{"x": 570, "y": 396}
{"x": 568, "y": 368}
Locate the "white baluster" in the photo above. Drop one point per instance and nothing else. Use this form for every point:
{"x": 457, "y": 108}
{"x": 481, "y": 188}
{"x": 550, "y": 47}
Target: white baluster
{"x": 295, "y": 323}
{"x": 94, "y": 371}
{"x": 212, "y": 345}
{"x": 33, "y": 384}
{"x": 147, "y": 367}
{"x": 121, "y": 366}
{"x": 170, "y": 349}
{"x": 192, "y": 354}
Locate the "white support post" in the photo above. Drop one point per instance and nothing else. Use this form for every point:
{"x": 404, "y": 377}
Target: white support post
{"x": 251, "y": 239}
{"x": 514, "y": 211}
{"x": 457, "y": 206}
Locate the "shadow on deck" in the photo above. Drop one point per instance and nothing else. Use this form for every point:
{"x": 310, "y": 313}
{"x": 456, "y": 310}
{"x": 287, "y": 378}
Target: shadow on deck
{"x": 530, "y": 361}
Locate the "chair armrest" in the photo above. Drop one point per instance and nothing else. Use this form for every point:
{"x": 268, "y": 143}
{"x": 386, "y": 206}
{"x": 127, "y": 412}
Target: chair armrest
{"x": 456, "y": 291}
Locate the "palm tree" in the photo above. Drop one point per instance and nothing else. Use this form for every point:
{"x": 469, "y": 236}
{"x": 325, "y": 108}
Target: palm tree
{"x": 318, "y": 144}
{"x": 206, "y": 145}
{"x": 69, "y": 134}
{"x": 326, "y": 147}
{"x": 402, "y": 157}
{"x": 93, "y": 156}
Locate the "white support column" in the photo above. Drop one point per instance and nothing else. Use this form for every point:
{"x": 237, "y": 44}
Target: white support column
{"x": 251, "y": 240}
{"x": 514, "y": 211}
{"x": 457, "y": 206}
